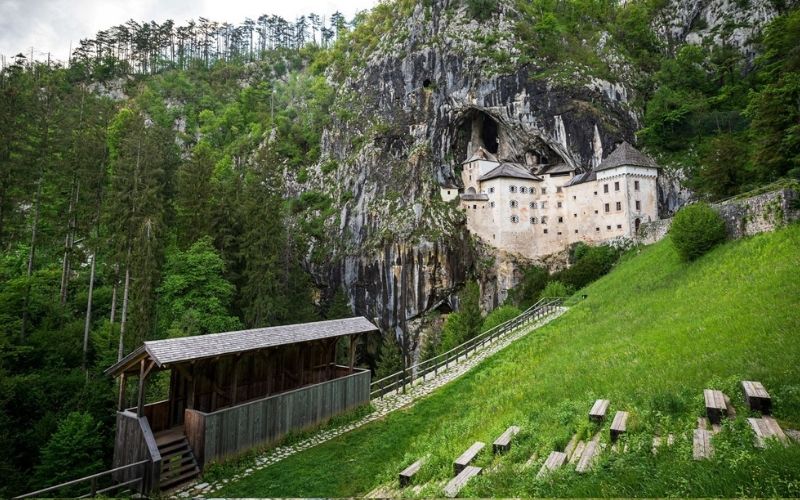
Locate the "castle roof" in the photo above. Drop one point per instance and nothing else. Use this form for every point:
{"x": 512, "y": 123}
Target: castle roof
{"x": 512, "y": 170}
{"x": 625, "y": 154}
{"x": 581, "y": 178}
{"x": 474, "y": 196}
{"x": 481, "y": 154}
{"x": 557, "y": 168}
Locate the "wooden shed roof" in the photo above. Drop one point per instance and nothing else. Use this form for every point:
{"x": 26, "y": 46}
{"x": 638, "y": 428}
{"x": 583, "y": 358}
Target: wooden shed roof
{"x": 179, "y": 350}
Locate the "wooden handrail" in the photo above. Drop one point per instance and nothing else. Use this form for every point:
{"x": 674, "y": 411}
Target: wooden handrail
{"x": 88, "y": 478}
{"x": 406, "y": 375}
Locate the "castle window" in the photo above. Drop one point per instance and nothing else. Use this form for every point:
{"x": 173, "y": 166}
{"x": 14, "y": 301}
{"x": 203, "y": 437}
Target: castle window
{"x": 474, "y": 207}
{"x": 638, "y": 205}
{"x": 558, "y": 204}
{"x": 619, "y": 226}
{"x": 448, "y": 191}
{"x": 559, "y": 233}
{"x": 514, "y": 219}
{"x": 574, "y": 215}
{"x": 491, "y": 189}
{"x": 543, "y": 204}
{"x": 596, "y": 211}
{"x": 608, "y": 227}
{"x": 607, "y": 207}
{"x": 491, "y": 204}
{"x": 523, "y": 189}
{"x": 513, "y": 203}
{"x": 616, "y": 186}
{"x": 532, "y": 204}
{"x": 533, "y": 190}
{"x": 544, "y": 190}
{"x": 595, "y": 193}
{"x": 597, "y": 229}
{"x": 574, "y": 197}
{"x": 636, "y": 185}
{"x": 544, "y": 220}
{"x": 512, "y": 189}
{"x": 558, "y": 189}
{"x": 605, "y": 188}
{"x": 533, "y": 220}
{"x": 561, "y": 220}
{"x": 545, "y": 231}
{"x": 576, "y": 231}
{"x": 619, "y": 205}
{"x": 470, "y": 177}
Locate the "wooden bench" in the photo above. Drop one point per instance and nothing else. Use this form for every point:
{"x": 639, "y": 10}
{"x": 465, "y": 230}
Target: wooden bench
{"x": 553, "y": 462}
{"x": 756, "y": 397}
{"x": 454, "y": 486}
{"x": 619, "y": 425}
{"x": 408, "y": 473}
{"x": 503, "y": 443}
{"x": 701, "y": 445}
{"x": 715, "y": 405}
{"x": 766, "y": 428}
{"x": 598, "y": 411}
{"x": 467, "y": 457}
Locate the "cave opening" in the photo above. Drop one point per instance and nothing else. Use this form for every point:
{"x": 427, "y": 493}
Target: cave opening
{"x": 489, "y": 134}
{"x": 426, "y": 83}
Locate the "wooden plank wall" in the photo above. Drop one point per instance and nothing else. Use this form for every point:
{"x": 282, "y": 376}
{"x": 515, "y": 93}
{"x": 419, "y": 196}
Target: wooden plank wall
{"x": 134, "y": 442}
{"x": 234, "y": 430}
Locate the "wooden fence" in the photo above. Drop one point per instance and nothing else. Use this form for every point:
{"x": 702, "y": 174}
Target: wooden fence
{"x": 96, "y": 483}
{"x": 223, "y": 433}
{"x": 400, "y": 380}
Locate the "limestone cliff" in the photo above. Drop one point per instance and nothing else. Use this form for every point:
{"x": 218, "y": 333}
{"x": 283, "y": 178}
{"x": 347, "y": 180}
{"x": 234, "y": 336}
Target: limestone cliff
{"x": 427, "y": 94}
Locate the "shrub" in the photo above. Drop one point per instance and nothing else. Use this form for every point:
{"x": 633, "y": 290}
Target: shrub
{"x": 590, "y": 263}
{"x": 498, "y": 316}
{"x": 696, "y": 229}
{"x": 481, "y": 9}
{"x": 556, "y": 289}
{"x": 534, "y": 279}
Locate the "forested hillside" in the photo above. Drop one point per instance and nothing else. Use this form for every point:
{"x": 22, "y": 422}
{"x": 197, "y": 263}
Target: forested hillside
{"x": 180, "y": 180}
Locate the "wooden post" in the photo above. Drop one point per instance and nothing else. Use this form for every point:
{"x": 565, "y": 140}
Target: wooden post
{"x": 122, "y": 381}
{"x": 140, "y": 400}
{"x": 235, "y": 380}
{"x": 192, "y": 387}
{"x": 352, "y": 352}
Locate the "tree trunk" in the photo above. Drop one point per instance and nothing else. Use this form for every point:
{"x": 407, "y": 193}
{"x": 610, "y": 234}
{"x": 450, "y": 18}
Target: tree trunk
{"x": 31, "y": 255}
{"x": 69, "y": 239}
{"x": 124, "y": 313}
{"x": 88, "y": 317}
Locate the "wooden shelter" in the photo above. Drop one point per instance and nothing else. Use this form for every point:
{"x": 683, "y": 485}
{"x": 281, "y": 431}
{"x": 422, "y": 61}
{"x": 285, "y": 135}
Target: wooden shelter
{"x": 231, "y": 391}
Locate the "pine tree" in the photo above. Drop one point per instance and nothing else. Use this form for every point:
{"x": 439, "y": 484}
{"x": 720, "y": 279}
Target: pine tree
{"x": 391, "y": 360}
{"x": 75, "y": 450}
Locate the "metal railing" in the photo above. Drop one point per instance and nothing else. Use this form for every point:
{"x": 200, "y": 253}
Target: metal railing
{"x": 93, "y": 481}
{"x": 400, "y": 380}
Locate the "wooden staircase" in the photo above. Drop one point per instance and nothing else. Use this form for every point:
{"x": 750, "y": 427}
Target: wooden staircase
{"x": 178, "y": 464}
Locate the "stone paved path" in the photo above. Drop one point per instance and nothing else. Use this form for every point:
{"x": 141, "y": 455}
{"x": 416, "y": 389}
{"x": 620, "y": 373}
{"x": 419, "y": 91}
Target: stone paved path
{"x": 383, "y": 406}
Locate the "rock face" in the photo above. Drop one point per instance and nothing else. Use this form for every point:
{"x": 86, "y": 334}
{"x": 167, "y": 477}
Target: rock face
{"x": 427, "y": 96}
{"x": 728, "y": 22}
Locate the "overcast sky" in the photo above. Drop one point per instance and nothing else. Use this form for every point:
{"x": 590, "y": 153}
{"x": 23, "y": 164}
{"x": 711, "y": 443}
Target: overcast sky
{"x": 50, "y": 25}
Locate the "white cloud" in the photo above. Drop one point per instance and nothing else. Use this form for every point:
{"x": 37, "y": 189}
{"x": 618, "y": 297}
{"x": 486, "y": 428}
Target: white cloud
{"x": 52, "y": 26}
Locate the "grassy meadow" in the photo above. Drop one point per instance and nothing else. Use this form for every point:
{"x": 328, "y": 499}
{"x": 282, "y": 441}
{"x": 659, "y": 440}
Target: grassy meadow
{"x": 650, "y": 337}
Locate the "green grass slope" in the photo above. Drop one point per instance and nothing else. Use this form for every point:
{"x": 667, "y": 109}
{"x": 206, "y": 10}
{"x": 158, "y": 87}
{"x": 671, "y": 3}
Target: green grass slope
{"x": 650, "y": 336}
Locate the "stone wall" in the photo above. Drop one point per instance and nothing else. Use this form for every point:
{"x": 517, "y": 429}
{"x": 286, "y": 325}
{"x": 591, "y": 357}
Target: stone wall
{"x": 743, "y": 217}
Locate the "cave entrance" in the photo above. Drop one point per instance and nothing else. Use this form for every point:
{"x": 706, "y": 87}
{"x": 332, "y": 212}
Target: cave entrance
{"x": 489, "y": 133}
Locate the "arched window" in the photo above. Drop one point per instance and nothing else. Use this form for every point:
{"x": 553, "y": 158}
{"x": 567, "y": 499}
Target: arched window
{"x": 544, "y": 220}
{"x": 523, "y": 189}
{"x": 514, "y": 219}
{"x": 533, "y": 220}
{"x": 512, "y": 189}
{"x": 513, "y": 203}
{"x": 532, "y": 204}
